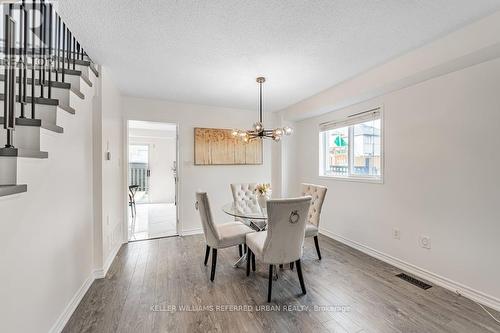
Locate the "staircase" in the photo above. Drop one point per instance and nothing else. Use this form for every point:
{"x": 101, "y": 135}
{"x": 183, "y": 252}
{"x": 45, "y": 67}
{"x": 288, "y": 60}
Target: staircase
{"x": 44, "y": 75}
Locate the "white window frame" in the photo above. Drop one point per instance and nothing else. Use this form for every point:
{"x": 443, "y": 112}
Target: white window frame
{"x": 350, "y": 120}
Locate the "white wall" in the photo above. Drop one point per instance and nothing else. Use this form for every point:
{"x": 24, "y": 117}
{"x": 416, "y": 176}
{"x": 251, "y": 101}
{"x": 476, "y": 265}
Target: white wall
{"x": 441, "y": 180}
{"x": 213, "y": 179}
{"x": 162, "y": 155}
{"x": 113, "y": 188}
{"x": 47, "y": 233}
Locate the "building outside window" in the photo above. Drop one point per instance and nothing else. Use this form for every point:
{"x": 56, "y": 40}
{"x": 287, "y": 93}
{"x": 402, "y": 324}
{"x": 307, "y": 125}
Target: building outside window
{"x": 352, "y": 147}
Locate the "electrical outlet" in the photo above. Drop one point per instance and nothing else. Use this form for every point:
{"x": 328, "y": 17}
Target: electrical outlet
{"x": 396, "y": 234}
{"x": 425, "y": 242}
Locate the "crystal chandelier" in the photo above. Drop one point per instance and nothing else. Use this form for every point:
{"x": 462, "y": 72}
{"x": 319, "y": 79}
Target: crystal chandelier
{"x": 258, "y": 131}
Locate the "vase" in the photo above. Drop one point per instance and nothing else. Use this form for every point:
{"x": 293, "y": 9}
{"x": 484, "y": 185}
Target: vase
{"x": 262, "y": 200}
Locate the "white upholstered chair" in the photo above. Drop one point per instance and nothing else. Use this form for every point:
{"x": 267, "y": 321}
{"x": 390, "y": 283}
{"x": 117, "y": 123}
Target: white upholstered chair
{"x": 245, "y": 200}
{"x": 283, "y": 240}
{"x": 218, "y": 236}
{"x": 317, "y": 193}
{"x": 244, "y": 197}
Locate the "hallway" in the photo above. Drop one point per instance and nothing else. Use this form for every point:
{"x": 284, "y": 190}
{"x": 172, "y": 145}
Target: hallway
{"x": 152, "y": 221}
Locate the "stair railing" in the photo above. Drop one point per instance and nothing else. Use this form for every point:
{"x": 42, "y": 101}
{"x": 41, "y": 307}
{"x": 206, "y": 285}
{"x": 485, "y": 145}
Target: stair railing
{"x": 9, "y": 87}
{"x": 35, "y": 57}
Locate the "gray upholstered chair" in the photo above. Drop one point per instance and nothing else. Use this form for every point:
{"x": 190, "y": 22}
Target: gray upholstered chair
{"x": 317, "y": 193}
{"x": 283, "y": 240}
{"x": 218, "y": 236}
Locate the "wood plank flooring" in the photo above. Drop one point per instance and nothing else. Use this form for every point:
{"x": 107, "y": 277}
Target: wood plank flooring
{"x": 358, "y": 294}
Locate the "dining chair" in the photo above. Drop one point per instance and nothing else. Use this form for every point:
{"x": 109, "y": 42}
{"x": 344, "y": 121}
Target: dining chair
{"x": 245, "y": 200}
{"x": 244, "y": 196}
{"x": 317, "y": 193}
{"x": 283, "y": 240}
{"x": 132, "y": 190}
{"x": 218, "y": 236}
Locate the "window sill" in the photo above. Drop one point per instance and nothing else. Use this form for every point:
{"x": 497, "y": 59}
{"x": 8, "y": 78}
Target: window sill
{"x": 354, "y": 179}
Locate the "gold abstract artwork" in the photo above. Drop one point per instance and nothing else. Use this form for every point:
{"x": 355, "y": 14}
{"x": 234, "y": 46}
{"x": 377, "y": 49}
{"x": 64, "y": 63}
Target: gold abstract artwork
{"x": 214, "y": 146}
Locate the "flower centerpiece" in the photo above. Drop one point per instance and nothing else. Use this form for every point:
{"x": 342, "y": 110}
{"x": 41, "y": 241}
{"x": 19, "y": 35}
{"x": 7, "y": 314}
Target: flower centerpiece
{"x": 263, "y": 192}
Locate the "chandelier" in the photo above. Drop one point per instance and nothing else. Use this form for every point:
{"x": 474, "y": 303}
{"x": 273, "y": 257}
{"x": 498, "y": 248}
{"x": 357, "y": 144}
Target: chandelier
{"x": 258, "y": 131}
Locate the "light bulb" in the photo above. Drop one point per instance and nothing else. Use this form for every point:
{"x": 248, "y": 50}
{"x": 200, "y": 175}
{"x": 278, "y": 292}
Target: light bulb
{"x": 276, "y": 138}
{"x": 278, "y": 132}
{"x": 234, "y": 133}
{"x": 287, "y": 130}
{"x": 243, "y": 134}
{"x": 258, "y": 126}
{"x": 245, "y": 139}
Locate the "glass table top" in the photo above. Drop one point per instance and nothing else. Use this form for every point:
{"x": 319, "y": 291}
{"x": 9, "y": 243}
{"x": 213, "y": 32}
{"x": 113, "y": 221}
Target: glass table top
{"x": 255, "y": 213}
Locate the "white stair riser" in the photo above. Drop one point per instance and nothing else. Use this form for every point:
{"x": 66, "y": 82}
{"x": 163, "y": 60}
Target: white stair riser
{"x": 26, "y": 137}
{"x": 46, "y": 113}
{"x": 8, "y": 170}
{"x": 57, "y": 93}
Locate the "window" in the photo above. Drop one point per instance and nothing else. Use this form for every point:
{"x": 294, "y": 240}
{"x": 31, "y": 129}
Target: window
{"x": 138, "y": 154}
{"x": 352, "y": 148}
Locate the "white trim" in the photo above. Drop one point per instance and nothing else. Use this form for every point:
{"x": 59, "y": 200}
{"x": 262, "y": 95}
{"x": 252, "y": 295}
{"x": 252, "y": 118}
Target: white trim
{"x": 379, "y": 111}
{"x": 101, "y": 273}
{"x": 71, "y": 307}
{"x": 441, "y": 281}
{"x": 350, "y": 120}
{"x": 126, "y": 141}
{"x": 373, "y": 180}
{"x": 189, "y": 232}
{"x": 77, "y": 298}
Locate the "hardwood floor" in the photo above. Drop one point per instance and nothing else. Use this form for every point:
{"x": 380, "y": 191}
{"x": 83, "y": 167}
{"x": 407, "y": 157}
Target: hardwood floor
{"x": 148, "y": 278}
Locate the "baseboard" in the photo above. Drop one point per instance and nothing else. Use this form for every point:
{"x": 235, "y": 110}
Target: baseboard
{"x": 101, "y": 273}
{"x": 71, "y": 307}
{"x": 190, "y": 232}
{"x": 444, "y": 282}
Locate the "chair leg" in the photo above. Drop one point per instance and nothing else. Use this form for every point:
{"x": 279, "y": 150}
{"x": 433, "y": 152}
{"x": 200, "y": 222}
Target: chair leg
{"x": 291, "y": 266}
{"x": 240, "y": 250}
{"x": 270, "y": 285}
{"x": 214, "y": 263}
{"x": 253, "y": 262}
{"x": 207, "y": 253}
{"x": 249, "y": 258}
{"x": 301, "y": 278}
{"x": 316, "y": 243}
{"x": 245, "y": 248}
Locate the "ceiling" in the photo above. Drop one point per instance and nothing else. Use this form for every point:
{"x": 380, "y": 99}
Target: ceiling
{"x": 210, "y": 52}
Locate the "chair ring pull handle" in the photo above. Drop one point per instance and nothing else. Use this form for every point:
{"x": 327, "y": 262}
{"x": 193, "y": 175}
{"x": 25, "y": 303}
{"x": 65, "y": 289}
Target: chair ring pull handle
{"x": 294, "y": 217}
{"x": 196, "y": 205}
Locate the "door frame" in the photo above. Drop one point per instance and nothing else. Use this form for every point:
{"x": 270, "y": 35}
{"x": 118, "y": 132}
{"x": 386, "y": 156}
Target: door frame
{"x": 177, "y": 184}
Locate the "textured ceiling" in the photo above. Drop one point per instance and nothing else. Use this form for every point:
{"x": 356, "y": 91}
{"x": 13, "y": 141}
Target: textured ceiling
{"x": 210, "y": 52}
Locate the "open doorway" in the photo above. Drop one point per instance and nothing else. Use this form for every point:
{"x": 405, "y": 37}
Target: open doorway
{"x": 152, "y": 180}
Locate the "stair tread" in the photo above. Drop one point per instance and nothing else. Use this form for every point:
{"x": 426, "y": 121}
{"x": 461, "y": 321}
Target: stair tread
{"x": 21, "y": 152}
{"x": 25, "y": 122}
{"x": 67, "y": 108}
{"x": 66, "y": 71}
{"x": 12, "y": 189}
{"x": 54, "y": 84}
{"x": 38, "y": 100}
{"x": 77, "y": 61}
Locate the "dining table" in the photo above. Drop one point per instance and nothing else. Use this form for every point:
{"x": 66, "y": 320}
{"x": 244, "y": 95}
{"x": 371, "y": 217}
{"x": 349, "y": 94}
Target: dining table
{"x": 254, "y": 217}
